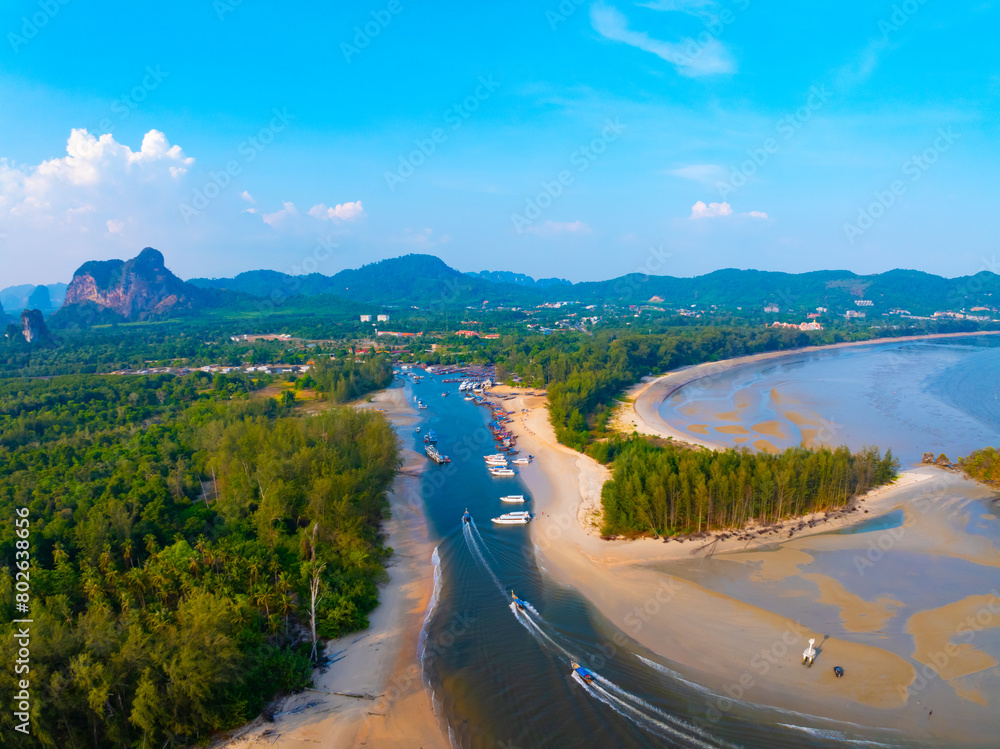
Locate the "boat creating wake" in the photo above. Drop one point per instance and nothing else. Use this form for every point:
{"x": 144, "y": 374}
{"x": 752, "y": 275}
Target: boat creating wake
{"x": 626, "y": 704}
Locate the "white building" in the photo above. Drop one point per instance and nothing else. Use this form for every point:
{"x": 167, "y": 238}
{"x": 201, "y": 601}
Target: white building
{"x": 366, "y": 318}
{"x": 382, "y": 318}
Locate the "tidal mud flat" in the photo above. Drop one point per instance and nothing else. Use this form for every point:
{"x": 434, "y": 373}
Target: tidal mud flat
{"x": 903, "y": 595}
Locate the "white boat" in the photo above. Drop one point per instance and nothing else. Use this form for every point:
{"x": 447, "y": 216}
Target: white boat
{"x": 513, "y": 498}
{"x": 522, "y": 461}
{"x": 513, "y": 518}
{"x": 496, "y": 458}
{"x": 498, "y": 471}
{"x": 418, "y": 430}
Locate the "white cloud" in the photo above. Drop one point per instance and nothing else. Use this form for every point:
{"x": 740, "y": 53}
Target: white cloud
{"x": 340, "y": 212}
{"x": 709, "y": 174}
{"x": 549, "y": 228}
{"x": 712, "y": 210}
{"x": 115, "y": 226}
{"x": 690, "y": 57}
{"x": 248, "y": 197}
{"x": 720, "y": 210}
{"x": 278, "y": 218}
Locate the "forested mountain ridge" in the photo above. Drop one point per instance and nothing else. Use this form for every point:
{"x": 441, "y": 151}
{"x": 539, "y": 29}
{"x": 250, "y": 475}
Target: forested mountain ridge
{"x": 411, "y": 279}
{"x": 142, "y": 288}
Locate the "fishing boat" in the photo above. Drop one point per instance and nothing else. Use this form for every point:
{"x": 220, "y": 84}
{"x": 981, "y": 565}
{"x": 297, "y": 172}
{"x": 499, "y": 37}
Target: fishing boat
{"x": 444, "y": 394}
{"x": 469, "y": 398}
{"x": 512, "y": 498}
{"x": 513, "y": 518}
{"x": 421, "y": 405}
{"x": 500, "y": 471}
{"x": 467, "y": 517}
{"x": 430, "y": 437}
{"x": 584, "y": 673}
{"x": 517, "y": 601}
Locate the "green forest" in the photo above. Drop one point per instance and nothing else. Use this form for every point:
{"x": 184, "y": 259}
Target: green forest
{"x": 666, "y": 489}
{"x": 177, "y": 527}
{"x": 584, "y": 373}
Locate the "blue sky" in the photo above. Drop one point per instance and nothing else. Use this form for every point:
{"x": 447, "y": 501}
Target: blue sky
{"x": 581, "y": 140}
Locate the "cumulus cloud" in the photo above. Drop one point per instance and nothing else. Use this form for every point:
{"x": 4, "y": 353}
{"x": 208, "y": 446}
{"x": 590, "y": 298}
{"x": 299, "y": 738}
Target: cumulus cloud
{"x": 340, "y": 212}
{"x": 248, "y": 197}
{"x": 115, "y": 226}
{"x": 549, "y": 228}
{"x": 702, "y": 210}
{"x": 278, "y": 218}
{"x": 690, "y": 57}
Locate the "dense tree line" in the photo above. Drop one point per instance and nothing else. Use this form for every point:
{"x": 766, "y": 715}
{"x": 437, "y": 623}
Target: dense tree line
{"x": 176, "y": 530}
{"x": 983, "y": 465}
{"x": 345, "y": 379}
{"x": 665, "y": 489}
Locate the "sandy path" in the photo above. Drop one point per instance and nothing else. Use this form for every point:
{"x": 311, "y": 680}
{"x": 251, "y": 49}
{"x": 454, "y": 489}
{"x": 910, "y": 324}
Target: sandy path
{"x": 380, "y": 662}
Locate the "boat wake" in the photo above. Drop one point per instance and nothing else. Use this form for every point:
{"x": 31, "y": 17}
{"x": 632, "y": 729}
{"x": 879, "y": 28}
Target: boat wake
{"x": 470, "y": 532}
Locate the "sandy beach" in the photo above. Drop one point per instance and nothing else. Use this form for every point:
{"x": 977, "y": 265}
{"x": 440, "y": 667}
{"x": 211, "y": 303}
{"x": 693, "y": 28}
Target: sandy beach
{"x": 382, "y": 701}
{"x": 738, "y": 649}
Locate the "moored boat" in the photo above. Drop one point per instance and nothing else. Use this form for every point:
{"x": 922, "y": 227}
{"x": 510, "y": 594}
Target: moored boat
{"x": 501, "y": 471}
{"x": 522, "y": 461}
{"x": 434, "y": 455}
{"x": 513, "y": 498}
{"x": 513, "y": 518}
{"x": 498, "y": 458}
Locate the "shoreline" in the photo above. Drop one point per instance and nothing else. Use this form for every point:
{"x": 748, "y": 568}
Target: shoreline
{"x": 713, "y": 639}
{"x": 382, "y": 699}
{"x": 646, "y": 396}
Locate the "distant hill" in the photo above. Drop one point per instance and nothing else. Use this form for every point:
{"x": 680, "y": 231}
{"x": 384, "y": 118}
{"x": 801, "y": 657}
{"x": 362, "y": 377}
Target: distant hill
{"x": 519, "y": 279}
{"x": 17, "y": 298}
{"x": 422, "y": 280}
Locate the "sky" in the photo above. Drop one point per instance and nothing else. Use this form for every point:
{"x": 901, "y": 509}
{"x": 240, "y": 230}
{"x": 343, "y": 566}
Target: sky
{"x": 581, "y": 140}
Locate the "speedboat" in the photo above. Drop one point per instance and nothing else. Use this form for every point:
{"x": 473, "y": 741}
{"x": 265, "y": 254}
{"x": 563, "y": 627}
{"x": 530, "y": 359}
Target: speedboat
{"x": 497, "y": 458}
{"x": 418, "y": 430}
{"x": 513, "y": 518}
{"x": 467, "y": 517}
{"x": 522, "y": 461}
{"x": 512, "y": 498}
{"x": 444, "y": 394}
{"x": 584, "y": 673}
{"x": 501, "y": 471}
{"x": 517, "y": 601}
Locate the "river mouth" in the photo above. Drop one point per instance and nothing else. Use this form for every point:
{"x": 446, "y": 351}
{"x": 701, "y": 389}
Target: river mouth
{"x": 502, "y": 676}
